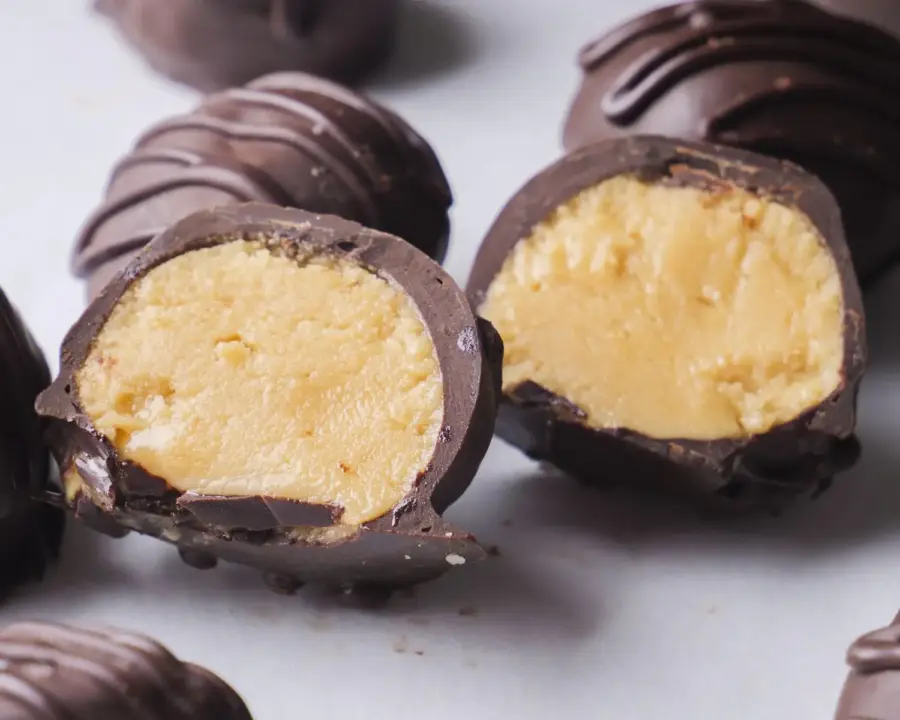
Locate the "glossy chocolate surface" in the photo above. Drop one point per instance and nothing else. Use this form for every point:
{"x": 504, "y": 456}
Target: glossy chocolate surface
{"x": 214, "y": 44}
{"x": 30, "y": 533}
{"x": 780, "y": 77}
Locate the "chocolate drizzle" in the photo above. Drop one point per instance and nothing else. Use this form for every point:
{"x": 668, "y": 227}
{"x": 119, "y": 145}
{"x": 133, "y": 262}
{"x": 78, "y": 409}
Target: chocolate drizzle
{"x": 51, "y": 672}
{"x": 699, "y": 36}
{"x": 761, "y": 76}
{"x": 290, "y": 140}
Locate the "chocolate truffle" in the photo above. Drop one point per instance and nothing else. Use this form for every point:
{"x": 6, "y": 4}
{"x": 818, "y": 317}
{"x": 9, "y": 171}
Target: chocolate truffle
{"x": 59, "y": 672}
{"x": 780, "y": 77}
{"x": 30, "y": 533}
{"x": 288, "y": 139}
{"x": 285, "y": 390}
{"x": 679, "y": 313}
{"x": 883, "y": 13}
{"x": 872, "y": 690}
{"x": 214, "y": 44}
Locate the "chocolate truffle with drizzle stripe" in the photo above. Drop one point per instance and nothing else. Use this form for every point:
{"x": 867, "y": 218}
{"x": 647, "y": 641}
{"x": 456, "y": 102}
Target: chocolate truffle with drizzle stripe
{"x": 780, "y": 77}
{"x": 288, "y": 139}
{"x": 58, "y": 672}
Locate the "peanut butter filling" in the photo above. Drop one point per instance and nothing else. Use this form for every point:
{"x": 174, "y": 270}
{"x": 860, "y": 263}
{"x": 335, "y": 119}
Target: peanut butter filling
{"x": 673, "y": 311}
{"x": 236, "y": 371}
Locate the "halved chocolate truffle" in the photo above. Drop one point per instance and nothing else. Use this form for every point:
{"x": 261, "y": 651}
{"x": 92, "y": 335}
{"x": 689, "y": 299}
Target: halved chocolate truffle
{"x": 290, "y": 391}
{"x": 680, "y": 314}
{"x": 30, "y": 533}
{"x": 59, "y": 672}
{"x": 872, "y": 690}
{"x": 213, "y": 44}
{"x": 781, "y": 77}
{"x": 287, "y": 139}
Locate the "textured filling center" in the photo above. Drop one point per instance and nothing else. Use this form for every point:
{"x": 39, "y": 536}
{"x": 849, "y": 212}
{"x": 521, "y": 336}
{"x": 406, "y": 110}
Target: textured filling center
{"x": 235, "y": 371}
{"x": 673, "y": 311}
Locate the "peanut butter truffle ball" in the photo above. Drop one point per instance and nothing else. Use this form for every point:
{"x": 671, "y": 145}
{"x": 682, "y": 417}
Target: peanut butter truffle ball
{"x": 680, "y": 314}
{"x": 59, "y": 672}
{"x": 291, "y": 391}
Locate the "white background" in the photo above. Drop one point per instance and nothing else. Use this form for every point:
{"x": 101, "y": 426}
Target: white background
{"x": 600, "y": 606}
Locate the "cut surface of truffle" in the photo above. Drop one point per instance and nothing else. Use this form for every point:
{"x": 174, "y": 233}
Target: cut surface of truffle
{"x": 676, "y": 312}
{"x": 235, "y": 370}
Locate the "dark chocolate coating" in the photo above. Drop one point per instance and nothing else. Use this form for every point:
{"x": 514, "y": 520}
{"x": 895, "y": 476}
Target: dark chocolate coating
{"x": 58, "y": 672}
{"x": 882, "y": 13}
{"x": 780, "y": 77}
{"x": 763, "y": 470}
{"x": 30, "y": 533}
{"x": 288, "y": 139}
{"x": 409, "y": 544}
{"x": 215, "y": 44}
{"x": 872, "y": 690}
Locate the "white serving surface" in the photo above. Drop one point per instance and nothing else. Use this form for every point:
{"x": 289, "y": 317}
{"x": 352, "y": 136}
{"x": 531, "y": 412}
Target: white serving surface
{"x": 599, "y": 606}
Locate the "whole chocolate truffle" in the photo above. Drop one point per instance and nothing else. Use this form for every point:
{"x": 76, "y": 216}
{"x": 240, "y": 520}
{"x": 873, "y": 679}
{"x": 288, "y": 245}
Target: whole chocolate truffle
{"x": 59, "y": 672}
{"x": 679, "y": 314}
{"x": 290, "y": 391}
{"x": 288, "y": 139}
{"x": 872, "y": 690}
{"x": 214, "y": 44}
{"x": 30, "y": 533}
{"x": 780, "y": 77}
{"x": 883, "y": 13}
